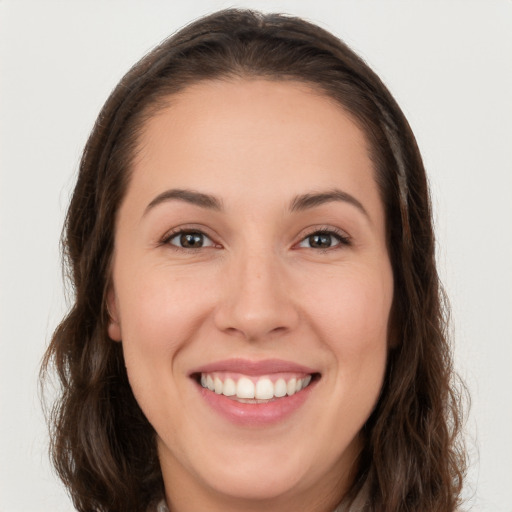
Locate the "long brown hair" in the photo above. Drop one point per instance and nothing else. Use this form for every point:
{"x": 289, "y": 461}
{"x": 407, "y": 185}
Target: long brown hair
{"x": 102, "y": 445}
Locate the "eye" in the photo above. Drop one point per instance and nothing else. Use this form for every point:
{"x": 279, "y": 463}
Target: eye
{"x": 324, "y": 240}
{"x": 190, "y": 240}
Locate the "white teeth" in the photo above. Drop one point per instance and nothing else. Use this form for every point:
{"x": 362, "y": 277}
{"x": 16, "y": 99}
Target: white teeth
{"x": 291, "y": 387}
{"x": 229, "y": 388}
{"x": 209, "y": 383}
{"x": 264, "y": 389}
{"x": 280, "y": 388}
{"x": 218, "y": 385}
{"x": 246, "y": 390}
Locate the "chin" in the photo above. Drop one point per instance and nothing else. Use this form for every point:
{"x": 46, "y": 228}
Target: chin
{"x": 258, "y": 483}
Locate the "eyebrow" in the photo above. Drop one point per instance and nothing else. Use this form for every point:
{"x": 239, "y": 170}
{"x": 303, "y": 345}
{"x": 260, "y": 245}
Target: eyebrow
{"x": 299, "y": 203}
{"x": 189, "y": 196}
{"x": 307, "y": 201}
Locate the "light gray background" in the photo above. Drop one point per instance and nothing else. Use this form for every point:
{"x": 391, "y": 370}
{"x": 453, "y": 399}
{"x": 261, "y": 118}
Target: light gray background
{"x": 447, "y": 62}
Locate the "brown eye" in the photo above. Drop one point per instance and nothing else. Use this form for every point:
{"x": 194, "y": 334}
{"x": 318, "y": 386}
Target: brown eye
{"x": 190, "y": 240}
{"x": 320, "y": 241}
{"x": 324, "y": 240}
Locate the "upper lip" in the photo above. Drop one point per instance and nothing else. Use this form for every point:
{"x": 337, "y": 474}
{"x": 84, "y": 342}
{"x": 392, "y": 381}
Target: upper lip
{"x": 250, "y": 367}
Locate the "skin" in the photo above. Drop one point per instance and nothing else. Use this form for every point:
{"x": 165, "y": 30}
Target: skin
{"x": 257, "y": 289}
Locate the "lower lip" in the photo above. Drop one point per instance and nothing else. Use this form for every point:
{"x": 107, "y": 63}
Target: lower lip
{"x": 261, "y": 414}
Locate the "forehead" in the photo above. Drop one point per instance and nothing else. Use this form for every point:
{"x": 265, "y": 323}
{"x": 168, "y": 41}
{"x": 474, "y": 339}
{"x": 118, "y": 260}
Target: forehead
{"x": 260, "y": 137}
{"x": 257, "y": 104}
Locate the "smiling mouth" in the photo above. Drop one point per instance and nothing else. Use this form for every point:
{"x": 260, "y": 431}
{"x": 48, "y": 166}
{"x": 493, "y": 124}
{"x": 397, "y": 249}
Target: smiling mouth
{"x": 252, "y": 389}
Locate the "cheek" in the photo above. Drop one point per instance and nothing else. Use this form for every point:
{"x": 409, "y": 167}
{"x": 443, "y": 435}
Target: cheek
{"x": 160, "y": 313}
{"x": 351, "y": 320}
{"x": 157, "y": 315}
{"x": 353, "y": 310}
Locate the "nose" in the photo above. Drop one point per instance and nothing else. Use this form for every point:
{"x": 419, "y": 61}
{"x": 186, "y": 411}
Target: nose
{"x": 256, "y": 302}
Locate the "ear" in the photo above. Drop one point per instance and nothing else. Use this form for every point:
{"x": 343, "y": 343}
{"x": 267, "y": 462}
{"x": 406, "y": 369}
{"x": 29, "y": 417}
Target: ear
{"x": 114, "y": 325}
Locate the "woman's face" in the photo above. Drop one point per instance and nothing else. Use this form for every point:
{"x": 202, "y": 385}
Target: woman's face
{"x": 250, "y": 258}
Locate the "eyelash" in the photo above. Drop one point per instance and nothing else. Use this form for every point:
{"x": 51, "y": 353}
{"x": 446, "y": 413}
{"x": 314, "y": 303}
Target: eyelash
{"x": 341, "y": 237}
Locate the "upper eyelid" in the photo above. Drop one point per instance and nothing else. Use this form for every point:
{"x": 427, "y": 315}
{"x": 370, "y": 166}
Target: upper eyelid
{"x": 326, "y": 230}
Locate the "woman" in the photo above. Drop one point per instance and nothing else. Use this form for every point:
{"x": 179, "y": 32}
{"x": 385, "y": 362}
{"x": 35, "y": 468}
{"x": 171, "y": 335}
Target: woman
{"x": 258, "y": 320}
